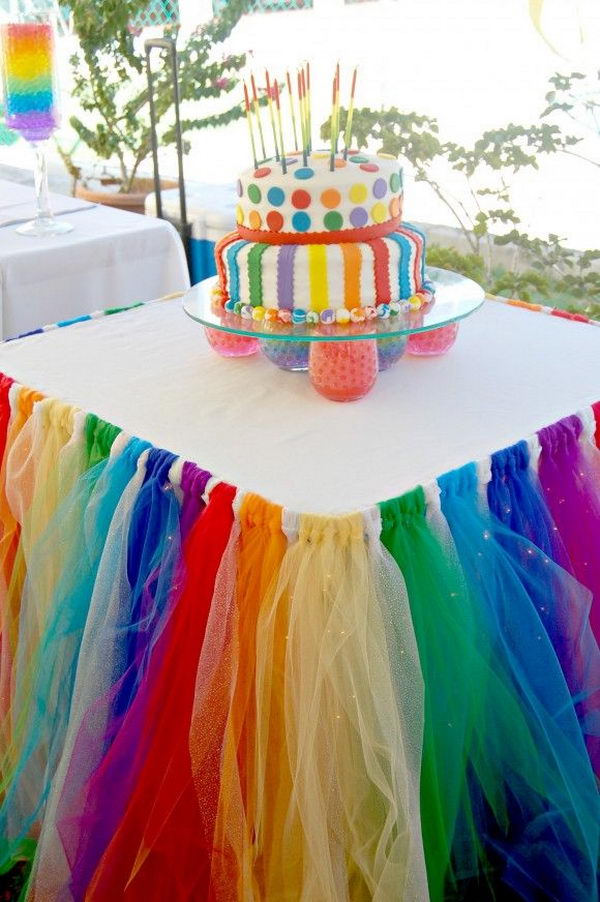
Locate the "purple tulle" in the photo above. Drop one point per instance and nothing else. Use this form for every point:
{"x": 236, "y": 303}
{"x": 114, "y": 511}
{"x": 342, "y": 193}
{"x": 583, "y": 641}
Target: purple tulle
{"x": 193, "y": 486}
{"x": 569, "y": 474}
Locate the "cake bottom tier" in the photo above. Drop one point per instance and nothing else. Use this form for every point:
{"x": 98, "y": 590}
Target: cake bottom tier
{"x": 318, "y": 277}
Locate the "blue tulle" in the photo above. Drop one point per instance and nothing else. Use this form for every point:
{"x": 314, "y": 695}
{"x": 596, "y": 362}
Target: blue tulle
{"x": 546, "y": 840}
{"x": 515, "y": 497}
{"x": 84, "y": 518}
{"x": 152, "y": 555}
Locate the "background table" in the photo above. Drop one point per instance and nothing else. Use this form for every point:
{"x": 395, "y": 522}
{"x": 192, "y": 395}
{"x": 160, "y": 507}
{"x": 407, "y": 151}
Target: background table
{"x": 112, "y": 258}
{"x": 510, "y": 373}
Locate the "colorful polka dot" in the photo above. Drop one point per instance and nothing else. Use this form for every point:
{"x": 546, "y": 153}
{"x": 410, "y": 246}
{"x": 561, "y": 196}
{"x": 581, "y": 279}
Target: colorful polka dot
{"x": 255, "y": 220}
{"x": 305, "y": 172}
{"x": 369, "y": 167}
{"x": 379, "y": 212}
{"x": 239, "y": 215}
{"x": 386, "y": 156}
{"x": 333, "y": 220}
{"x": 240, "y": 189}
{"x": 275, "y": 196}
{"x": 379, "y": 188}
{"x": 359, "y": 217}
{"x": 331, "y": 198}
{"x": 290, "y": 162}
{"x": 358, "y": 193}
{"x": 254, "y": 193}
{"x": 394, "y": 207}
{"x": 395, "y": 182}
{"x": 301, "y": 199}
{"x": 339, "y": 164}
{"x": 301, "y": 222}
{"x": 359, "y": 159}
{"x": 319, "y": 155}
{"x": 275, "y": 221}
{"x": 262, "y": 172}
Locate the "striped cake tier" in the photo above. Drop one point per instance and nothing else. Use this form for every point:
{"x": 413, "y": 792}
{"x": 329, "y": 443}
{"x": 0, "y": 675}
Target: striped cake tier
{"x": 318, "y": 277}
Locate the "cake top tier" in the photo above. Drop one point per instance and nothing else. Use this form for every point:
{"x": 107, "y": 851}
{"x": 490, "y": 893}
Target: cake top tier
{"x": 359, "y": 200}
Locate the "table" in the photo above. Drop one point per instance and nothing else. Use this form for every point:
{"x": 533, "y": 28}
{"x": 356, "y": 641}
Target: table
{"x": 399, "y": 701}
{"x": 110, "y": 257}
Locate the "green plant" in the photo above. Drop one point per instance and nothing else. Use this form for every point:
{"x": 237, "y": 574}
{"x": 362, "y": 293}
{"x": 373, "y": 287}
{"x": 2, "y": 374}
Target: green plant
{"x": 110, "y": 87}
{"x": 470, "y": 265}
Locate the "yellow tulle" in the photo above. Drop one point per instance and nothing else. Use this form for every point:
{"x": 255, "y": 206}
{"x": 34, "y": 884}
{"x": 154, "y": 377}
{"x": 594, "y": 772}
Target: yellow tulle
{"x": 339, "y": 819}
{"x": 12, "y": 572}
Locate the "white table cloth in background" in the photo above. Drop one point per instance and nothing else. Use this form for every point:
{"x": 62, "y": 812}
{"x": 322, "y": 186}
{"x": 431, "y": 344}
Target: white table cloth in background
{"x": 150, "y": 370}
{"x": 111, "y": 258}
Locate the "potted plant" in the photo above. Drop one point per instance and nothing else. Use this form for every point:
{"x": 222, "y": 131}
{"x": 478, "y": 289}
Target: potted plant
{"x": 110, "y": 88}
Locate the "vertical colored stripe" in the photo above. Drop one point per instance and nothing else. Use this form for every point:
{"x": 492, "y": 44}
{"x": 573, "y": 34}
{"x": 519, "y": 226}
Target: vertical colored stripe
{"x": 233, "y": 269}
{"x": 220, "y": 249}
{"x": 352, "y": 266}
{"x": 317, "y": 267}
{"x": 285, "y": 276}
{"x": 404, "y": 263}
{"x": 381, "y": 266}
{"x": 255, "y": 273}
{"x": 420, "y": 241}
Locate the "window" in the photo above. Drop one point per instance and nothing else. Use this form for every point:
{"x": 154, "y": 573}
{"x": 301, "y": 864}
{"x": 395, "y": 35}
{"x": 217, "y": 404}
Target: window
{"x": 267, "y": 6}
{"x": 158, "y": 12}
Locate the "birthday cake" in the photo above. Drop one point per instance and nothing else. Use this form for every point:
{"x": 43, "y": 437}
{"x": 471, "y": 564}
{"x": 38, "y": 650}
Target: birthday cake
{"x": 319, "y": 236}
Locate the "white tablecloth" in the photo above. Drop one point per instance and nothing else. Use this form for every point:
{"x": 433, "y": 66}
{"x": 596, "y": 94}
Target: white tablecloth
{"x": 151, "y": 371}
{"x": 111, "y": 258}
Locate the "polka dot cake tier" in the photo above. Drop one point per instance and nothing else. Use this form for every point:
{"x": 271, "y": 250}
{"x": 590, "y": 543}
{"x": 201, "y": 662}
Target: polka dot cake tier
{"x": 359, "y": 200}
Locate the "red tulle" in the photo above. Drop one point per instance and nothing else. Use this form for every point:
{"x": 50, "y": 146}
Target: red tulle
{"x": 158, "y": 851}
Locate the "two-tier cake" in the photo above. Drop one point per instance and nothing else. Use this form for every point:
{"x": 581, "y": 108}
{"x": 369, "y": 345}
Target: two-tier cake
{"x": 315, "y": 244}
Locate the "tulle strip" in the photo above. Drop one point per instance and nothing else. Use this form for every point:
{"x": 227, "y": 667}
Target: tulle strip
{"x": 82, "y": 520}
{"x": 158, "y": 849}
{"x": 569, "y": 471}
{"x": 539, "y": 811}
{"x": 515, "y": 497}
{"x": 99, "y": 659}
{"x": 337, "y": 817}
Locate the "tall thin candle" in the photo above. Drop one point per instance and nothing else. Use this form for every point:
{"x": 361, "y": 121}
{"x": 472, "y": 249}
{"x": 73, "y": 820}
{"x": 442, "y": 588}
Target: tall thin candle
{"x": 256, "y": 106}
{"x": 249, "y": 121}
{"x": 292, "y": 110}
{"x": 308, "y": 107}
{"x": 332, "y": 127}
{"x": 271, "y": 116}
{"x": 305, "y": 142}
{"x": 348, "y": 132}
{"x": 337, "y": 104}
{"x": 302, "y": 123}
{"x": 280, "y": 128}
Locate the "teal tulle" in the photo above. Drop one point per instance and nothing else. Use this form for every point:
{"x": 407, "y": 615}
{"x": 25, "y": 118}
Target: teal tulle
{"x": 532, "y": 787}
{"x": 83, "y": 520}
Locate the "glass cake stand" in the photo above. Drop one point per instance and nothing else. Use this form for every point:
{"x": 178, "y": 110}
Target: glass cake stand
{"x": 342, "y": 360}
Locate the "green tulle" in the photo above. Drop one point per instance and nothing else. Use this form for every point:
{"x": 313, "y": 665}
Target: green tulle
{"x": 446, "y": 637}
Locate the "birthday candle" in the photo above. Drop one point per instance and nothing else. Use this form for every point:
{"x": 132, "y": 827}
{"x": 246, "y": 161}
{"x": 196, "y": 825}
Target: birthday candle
{"x": 337, "y": 104}
{"x": 249, "y": 121}
{"x": 302, "y": 119}
{"x": 348, "y": 133}
{"x": 291, "y": 96}
{"x": 256, "y": 106}
{"x": 305, "y": 113}
{"x": 27, "y": 72}
{"x": 272, "y": 117}
{"x": 308, "y": 107}
{"x": 332, "y": 127}
{"x": 280, "y": 128}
